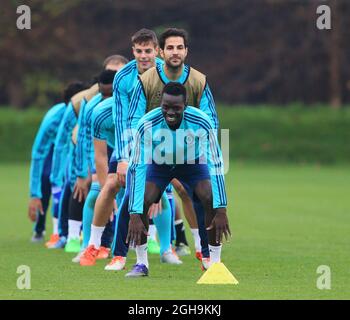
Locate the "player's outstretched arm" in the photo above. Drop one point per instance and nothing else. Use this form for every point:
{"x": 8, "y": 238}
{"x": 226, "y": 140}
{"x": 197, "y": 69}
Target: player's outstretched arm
{"x": 80, "y": 159}
{"x": 136, "y": 230}
{"x": 59, "y": 157}
{"x": 82, "y": 185}
{"x": 40, "y": 150}
{"x": 120, "y": 109}
{"x": 137, "y": 171}
{"x": 101, "y": 160}
{"x": 35, "y": 205}
{"x": 137, "y": 107}
{"x": 207, "y": 105}
{"x": 220, "y": 224}
{"x": 216, "y": 168}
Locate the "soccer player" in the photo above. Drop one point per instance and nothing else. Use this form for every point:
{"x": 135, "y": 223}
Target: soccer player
{"x": 77, "y": 199}
{"x": 62, "y": 173}
{"x": 103, "y": 145}
{"x": 173, "y": 49}
{"x": 42, "y": 150}
{"x": 190, "y": 153}
{"x": 85, "y": 165}
{"x": 61, "y": 150}
{"x": 145, "y": 50}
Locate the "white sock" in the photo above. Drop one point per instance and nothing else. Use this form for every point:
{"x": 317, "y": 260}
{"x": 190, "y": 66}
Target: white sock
{"x": 152, "y": 230}
{"x": 141, "y": 254}
{"x": 215, "y": 253}
{"x": 73, "y": 229}
{"x": 176, "y": 222}
{"x": 95, "y": 237}
{"x": 197, "y": 239}
{"x": 55, "y": 225}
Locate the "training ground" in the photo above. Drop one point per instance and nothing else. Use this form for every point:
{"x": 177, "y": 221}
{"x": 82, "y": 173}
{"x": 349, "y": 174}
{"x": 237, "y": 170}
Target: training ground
{"x": 286, "y": 220}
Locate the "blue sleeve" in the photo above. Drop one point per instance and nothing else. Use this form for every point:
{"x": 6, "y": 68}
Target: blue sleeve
{"x": 71, "y": 171}
{"x": 207, "y": 105}
{"x": 120, "y": 116}
{"x": 88, "y": 134}
{"x": 61, "y": 149}
{"x": 97, "y": 125}
{"x": 137, "y": 107}
{"x": 137, "y": 170}
{"x": 40, "y": 150}
{"x": 81, "y": 158}
{"x": 216, "y": 169}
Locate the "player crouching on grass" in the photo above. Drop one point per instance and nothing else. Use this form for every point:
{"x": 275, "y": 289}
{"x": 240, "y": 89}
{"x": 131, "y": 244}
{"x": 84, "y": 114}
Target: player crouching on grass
{"x": 41, "y": 188}
{"x": 190, "y": 153}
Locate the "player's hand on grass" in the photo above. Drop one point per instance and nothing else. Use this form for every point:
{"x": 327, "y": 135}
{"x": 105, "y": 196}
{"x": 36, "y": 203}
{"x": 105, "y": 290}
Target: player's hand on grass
{"x": 136, "y": 230}
{"x": 155, "y": 209}
{"x": 122, "y": 167}
{"x": 221, "y": 225}
{"x": 81, "y": 188}
{"x": 35, "y": 205}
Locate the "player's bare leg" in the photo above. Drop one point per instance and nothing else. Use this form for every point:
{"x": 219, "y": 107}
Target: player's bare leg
{"x": 103, "y": 211}
{"x": 105, "y": 201}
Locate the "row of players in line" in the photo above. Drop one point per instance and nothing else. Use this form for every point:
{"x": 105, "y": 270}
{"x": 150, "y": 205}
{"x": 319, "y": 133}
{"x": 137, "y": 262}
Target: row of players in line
{"x": 87, "y": 154}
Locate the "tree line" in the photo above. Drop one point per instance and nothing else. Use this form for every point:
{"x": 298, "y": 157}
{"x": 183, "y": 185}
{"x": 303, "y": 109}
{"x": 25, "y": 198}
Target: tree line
{"x": 253, "y": 51}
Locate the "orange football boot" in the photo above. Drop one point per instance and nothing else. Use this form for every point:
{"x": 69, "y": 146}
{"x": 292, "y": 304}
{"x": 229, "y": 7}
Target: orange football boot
{"x": 199, "y": 255}
{"x": 103, "y": 253}
{"x": 89, "y": 256}
{"x": 53, "y": 239}
{"x": 117, "y": 264}
{"x": 206, "y": 263}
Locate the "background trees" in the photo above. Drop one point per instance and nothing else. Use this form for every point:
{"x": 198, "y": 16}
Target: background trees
{"x": 253, "y": 51}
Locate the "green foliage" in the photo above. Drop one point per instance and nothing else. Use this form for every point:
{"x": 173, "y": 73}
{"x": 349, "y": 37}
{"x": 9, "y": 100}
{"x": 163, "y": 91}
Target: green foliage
{"x": 293, "y": 134}
{"x": 42, "y": 86}
{"x": 17, "y": 133}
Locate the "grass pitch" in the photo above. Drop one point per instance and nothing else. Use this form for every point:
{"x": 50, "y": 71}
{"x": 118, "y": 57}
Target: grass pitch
{"x": 286, "y": 221}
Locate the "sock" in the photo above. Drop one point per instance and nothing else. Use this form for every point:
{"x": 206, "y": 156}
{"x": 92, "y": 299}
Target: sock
{"x": 73, "y": 229}
{"x": 95, "y": 237}
{"x": 118, "y": 198}
{"x": 55, "y": 225}
{"x": 180, "y": 233}
{"x": 215, "y": 253}
{"x": 197, "y": 240}
{"x": 163, "y": 224}
{"x": 141, "y": 254}
{"x": 200, "y": 214}
{"x": 152, "y": 230}
{"x": 107, "y": 235}
{"x": 173, "y": 209}
{"x": 88, "y": 212}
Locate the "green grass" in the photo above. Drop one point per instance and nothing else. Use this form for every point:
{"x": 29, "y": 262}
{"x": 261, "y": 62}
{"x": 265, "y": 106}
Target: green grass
{"x": 286, "y": 221}
{"x": 264, "y": 133}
